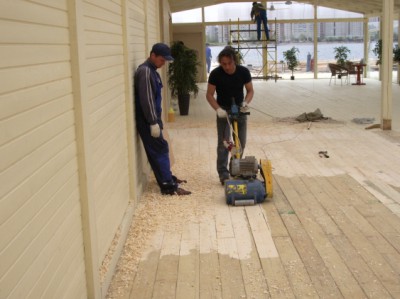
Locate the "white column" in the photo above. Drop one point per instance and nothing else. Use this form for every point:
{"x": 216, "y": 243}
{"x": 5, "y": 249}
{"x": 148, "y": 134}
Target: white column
{"x": 316, "y": 40}
{"x": 366, "y": 46}
{"x": 387, "y": 63}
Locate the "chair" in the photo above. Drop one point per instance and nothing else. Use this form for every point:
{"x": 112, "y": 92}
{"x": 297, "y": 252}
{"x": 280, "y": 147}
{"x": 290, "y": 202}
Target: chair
{"x": 340, "y": 71}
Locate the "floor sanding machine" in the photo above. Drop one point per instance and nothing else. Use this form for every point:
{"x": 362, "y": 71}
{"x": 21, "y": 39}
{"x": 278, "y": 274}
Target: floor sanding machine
{"x": 245, "y": 188}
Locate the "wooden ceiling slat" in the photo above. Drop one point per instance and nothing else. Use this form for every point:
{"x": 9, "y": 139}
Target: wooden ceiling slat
{"x": 368, "y": 7}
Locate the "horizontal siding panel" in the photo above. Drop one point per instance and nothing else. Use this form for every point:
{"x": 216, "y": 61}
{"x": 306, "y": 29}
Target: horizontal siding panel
{"x": 109, "y": 148}
{"x": 73, "y": 267}
{"x": 108, "y": 222}
{"x": 20, "y": 124}
{"x": 24, "y": 55}
{"x": 106, "y": 106}
{"x": 137, "y": 4}
{"x": 113, "y": 168}
{"x": 107, "y": 5}
{"x": 18, "y": 221}
{"x": 136, "y": 17}
{"x": 103, "y": 62}
{"x": 24, "y": 33}
{"x": 53, "y": 251}
{"x": 102, "y": 100}
{"x": 101, "y": 88}
{"x": 101, "y": 13}
{"x": 134, "y": 33}
{"x": 20, "y": 171}
{"x": 14, "y": 79}
{"x": 76, "y": 289}
{"x": 43, "y": 227}
{"x": 26, "y": 189}
{"x": 105, "y": 117}
{"x": 114, "y": 172}
{"x": 25, "y": 11}
{"x": 103, "y": 38}
{"x": 93, "y": 51}
{"x": 106, "y": 141}
{"x": 105, "y": 74}
{"x": 59, "y": 4}
{"x": 96, "y": 25}
{"x": 20, "y": 147}
{"x": 28, "y": 98}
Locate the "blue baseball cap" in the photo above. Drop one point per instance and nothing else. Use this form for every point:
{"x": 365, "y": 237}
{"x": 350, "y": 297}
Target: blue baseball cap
{"x": 163, "y": 50}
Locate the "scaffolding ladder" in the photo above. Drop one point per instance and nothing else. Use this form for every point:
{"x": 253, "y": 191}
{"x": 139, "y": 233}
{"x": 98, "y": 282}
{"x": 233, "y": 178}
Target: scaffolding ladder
{"x": 239, "y": 39}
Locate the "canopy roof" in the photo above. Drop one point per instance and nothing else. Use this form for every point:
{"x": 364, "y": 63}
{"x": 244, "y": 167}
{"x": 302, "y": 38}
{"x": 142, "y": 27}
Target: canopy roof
{"x": 367, "y": 7}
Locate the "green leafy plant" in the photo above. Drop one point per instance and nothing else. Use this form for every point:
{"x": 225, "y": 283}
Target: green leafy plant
{"x": 396, "y": 54}
{"x": 182, "y": 72}
{"x": 291, "y": 59}
{"x": 182, "y": 75}
{"x": 396, "y": 57}
{"x": 341, "y": 54}
{"x": 378, "y": 51}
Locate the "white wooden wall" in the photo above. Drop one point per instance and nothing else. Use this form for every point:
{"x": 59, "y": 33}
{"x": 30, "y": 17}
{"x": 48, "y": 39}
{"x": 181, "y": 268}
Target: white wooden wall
{"x": 70, "y": 160}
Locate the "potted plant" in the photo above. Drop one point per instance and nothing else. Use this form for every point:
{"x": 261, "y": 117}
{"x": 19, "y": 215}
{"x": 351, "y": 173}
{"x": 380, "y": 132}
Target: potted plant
{"x": 396, "y": 57}
{"x": 291, "y": 59}
{"x": 341, "y": 55}
{"x": 182, "y": 74}
{"x": 378, "y": 51}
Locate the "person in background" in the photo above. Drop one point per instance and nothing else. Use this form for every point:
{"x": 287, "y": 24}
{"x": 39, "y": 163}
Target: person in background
{"x": 208, "y": 57}
{"x": 228, "y": 80}
{"x": 259, "y": 14}
{"x": 308, "y": 67}
{"x": 147, "y": 87}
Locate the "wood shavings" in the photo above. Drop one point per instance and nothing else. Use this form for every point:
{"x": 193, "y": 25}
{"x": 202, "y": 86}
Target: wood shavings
{"x": 159, "y": 212}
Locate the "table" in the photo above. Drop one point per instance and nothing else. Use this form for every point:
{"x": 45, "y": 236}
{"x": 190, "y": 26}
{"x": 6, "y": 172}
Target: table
{"x": 358, "y": 67}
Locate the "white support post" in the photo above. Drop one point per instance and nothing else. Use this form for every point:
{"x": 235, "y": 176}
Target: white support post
{"x": 387, "y": 63}
{"x": 315, "y": 56}
{"x": 366, "y": 44}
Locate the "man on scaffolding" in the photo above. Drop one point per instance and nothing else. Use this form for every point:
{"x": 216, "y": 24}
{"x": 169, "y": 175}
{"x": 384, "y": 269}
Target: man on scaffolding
{"x": 259, "y": 13}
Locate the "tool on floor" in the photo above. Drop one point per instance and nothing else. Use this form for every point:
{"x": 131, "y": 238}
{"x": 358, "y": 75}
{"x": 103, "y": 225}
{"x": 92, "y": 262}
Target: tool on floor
{"x": 323, "y": 154}
{"x": 245, "y": 188}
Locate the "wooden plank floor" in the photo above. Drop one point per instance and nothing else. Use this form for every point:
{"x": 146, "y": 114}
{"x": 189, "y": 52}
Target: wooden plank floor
{"x": 331, "y": 230}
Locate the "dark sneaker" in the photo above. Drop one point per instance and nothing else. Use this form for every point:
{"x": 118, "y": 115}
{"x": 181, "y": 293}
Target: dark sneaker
{"x": 178, "y": 191}
{"x": 178, "y": 181}
{"x": 181, "y": 191}
{"x": 223, "y": 178}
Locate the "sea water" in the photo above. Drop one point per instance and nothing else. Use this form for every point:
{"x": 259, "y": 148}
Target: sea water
{"x": 325, "y": 52}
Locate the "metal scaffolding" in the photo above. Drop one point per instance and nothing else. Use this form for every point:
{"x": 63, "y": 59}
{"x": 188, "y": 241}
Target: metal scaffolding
{"x": 240, "y": 37}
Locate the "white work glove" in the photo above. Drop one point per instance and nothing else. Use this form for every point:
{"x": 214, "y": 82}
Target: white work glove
{"x": 245, "y": 107}
{"x": 221, "y": 113}
{"x": 155, "y": 130}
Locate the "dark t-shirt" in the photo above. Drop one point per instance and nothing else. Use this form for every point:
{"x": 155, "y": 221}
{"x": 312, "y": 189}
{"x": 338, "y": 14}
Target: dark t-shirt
{"x": 228, "y": 86}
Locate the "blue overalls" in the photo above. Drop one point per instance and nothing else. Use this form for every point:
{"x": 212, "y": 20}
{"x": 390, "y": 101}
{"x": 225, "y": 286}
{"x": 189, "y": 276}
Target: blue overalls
{"x": 262, "y": 17}
{"x": 157, "y": 149}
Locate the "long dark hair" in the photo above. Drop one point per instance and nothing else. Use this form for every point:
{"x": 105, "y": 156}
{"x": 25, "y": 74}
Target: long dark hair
{"x": 229, "y": 52}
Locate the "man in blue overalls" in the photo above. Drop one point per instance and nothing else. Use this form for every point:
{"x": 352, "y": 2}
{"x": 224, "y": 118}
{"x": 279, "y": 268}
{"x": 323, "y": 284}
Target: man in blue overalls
{"x": 148, "y": 99}
{"x": 259, "y": 13}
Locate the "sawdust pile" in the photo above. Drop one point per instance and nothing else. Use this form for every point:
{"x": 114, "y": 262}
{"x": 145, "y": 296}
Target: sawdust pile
{"x": 157, "y": 212}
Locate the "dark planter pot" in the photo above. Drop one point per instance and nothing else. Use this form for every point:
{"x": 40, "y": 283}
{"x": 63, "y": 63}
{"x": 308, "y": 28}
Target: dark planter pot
{"x": 291, "y": 77}
{"x": 183, "y": 102}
